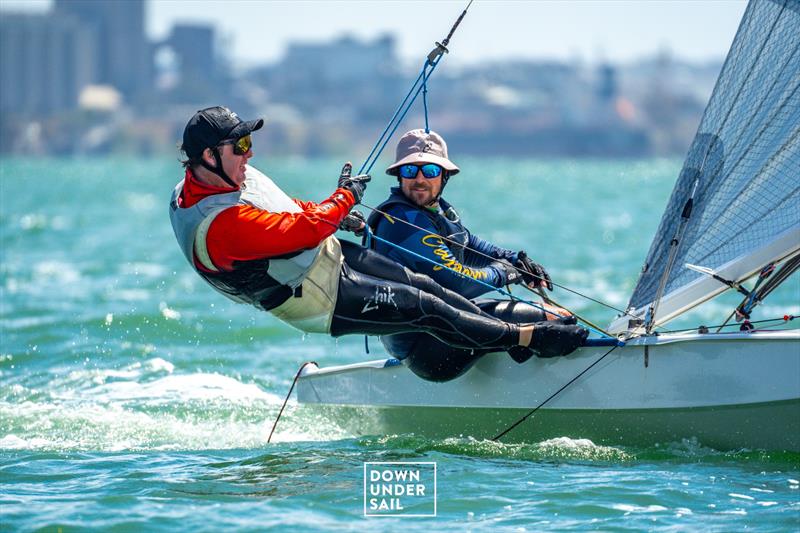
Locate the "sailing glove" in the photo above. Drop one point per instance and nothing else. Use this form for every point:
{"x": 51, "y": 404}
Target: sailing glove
{"x": 355, "y": 222}
{"x": 533, "y": 273}
{"x": 552, "y": 339}
{"x": 355, "y": 184}
{"x": 509, "y": 272}
{"x": 566, "y": 320}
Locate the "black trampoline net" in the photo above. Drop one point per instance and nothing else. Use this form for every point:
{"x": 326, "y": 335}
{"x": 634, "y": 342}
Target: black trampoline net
{"x": 745, "y": 156}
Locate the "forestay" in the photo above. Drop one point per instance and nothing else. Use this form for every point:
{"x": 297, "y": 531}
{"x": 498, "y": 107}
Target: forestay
{"x": 743, "y": 167}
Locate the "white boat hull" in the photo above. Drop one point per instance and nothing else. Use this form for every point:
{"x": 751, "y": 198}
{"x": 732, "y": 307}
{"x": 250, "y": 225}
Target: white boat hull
{"x": 729, "y": 391}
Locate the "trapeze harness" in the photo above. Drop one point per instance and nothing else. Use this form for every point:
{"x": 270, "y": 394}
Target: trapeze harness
{"x": 299, "y": 288}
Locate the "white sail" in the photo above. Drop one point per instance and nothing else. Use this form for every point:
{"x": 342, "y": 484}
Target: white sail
{"x": 742, "y": 173}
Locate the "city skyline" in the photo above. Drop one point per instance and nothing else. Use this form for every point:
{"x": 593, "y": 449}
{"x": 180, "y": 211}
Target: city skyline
{"x": 254, "y": 33}
{"x": 90, "y": 77}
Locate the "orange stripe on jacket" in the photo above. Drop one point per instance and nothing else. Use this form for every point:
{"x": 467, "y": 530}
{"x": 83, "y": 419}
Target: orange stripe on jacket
{"x": 243, "y": 232}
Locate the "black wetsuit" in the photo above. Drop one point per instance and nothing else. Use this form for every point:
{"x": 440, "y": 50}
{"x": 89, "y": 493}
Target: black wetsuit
{"x": 434, "y": 360}
{"x": 379, "y": 296}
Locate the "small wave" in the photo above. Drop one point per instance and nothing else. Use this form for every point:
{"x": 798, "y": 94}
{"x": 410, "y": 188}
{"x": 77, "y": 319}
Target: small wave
{"x": 146, "y": 405}
{"x": 153, "y": 382}
{"x": 615, "y": 221}
{"x": 627, "y": 509}
{"x": 148, "y": 270}
{"x": 55, "y": 272}
{"x": 694, "y": 450}
{"x": 567, "y": 448}
{"x": 141, "y": 202}
{"x": 40, "y": 221}
{"x": 200, "y": 386}
{"x": 12, "y": 442}
{"x": 115, "y": 428}
{"x": 561, "y": 448}
{"x": 168, "y": 313}
{"x": 129, "y": 295}
{"x": 80, "y": 379}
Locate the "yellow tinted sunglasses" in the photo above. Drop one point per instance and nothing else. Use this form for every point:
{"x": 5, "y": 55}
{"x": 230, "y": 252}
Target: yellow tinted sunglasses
{"x": 241, "y": 146}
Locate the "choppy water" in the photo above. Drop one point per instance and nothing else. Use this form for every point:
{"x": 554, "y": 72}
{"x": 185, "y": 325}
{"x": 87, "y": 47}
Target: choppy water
{"x": 132, "y": 396}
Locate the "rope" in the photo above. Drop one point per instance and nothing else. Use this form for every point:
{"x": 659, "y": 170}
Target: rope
{"x": 772, "y": 327}
{"x": 487, "y": 256}
{"x": 431, "y": 61}
{"x": 424, "y": 74}
{"x": 425, "y": 102}
{"x": 288, "y": 395}
{"x": 420, "y": 85}
{"x": 389, "y": 125}
{"x": 556, "y": 393}
{"x": 785, "y": 318}
{"x": 492, "y": 287}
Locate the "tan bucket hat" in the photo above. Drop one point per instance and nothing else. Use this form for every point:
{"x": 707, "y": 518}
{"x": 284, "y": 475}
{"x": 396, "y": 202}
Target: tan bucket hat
{"x": 417, "y": 147}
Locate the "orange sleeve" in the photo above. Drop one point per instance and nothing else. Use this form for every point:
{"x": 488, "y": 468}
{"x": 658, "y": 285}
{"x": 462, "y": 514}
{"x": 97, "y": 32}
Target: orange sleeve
{"x": 304, "y": 205}
{"x": 244, "y": 232}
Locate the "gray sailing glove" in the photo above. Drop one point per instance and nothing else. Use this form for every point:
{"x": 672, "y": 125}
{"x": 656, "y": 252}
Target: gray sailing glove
{"x": 533, "y": 273}
{"x": 511, "y": 274}
{"x": 355, "y": 222}
{"x": 355, "y": 184}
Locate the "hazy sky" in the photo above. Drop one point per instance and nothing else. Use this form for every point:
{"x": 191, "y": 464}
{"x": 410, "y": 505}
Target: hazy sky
{"x": 258, "y": 31}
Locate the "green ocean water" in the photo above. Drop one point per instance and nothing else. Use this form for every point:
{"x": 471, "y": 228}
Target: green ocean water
{"x": 133, "y": 397}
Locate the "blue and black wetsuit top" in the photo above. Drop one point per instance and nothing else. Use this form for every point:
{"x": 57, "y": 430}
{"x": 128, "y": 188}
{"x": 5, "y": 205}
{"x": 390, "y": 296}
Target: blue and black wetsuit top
{"x": 456, "y": 252}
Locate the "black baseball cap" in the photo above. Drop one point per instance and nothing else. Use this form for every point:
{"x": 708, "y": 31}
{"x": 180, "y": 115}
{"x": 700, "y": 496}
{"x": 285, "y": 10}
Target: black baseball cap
{"x": 209, "y": 127}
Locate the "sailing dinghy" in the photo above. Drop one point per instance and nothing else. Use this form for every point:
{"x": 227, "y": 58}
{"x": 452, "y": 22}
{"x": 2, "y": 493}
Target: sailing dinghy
{"x": 734, "y": 214}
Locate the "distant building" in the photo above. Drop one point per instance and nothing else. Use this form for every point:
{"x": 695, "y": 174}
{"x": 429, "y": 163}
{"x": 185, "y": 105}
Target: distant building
{"x": 45, "y": 62}
{"x": 201, "y": 76}
{"x": 337, "y": 79}
{"x": 343, "y": 59}
{"x": 193, "y": 46}
{"x": 607, "y": 83}
{"x": 123, "y": 55}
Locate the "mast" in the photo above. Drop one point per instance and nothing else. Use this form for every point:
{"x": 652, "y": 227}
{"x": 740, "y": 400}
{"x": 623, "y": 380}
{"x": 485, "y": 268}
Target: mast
{"x": 686, "y": 214}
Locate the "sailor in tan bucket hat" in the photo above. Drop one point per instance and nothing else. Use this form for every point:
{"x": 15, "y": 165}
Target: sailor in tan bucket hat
{"x": 422, "y": 153}
{"x": 419, "y": 229}
{"x": 418, "y": 147}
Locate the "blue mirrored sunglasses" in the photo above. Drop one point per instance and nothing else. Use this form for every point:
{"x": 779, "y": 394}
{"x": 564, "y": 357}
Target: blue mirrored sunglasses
{"x": 429, "y": 170}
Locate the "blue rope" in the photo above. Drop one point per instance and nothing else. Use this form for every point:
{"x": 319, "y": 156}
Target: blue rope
{"x": 367, "y": 237}
{"x": 749, "y": 304}
{"x": 397, "y": 125}
{"x": 492, "y": 287}
{"x": 425, "y": 101}
{"x": 391, "y": 121}
{"x": 370, "y": 161}
{"x": 398, "y": 116}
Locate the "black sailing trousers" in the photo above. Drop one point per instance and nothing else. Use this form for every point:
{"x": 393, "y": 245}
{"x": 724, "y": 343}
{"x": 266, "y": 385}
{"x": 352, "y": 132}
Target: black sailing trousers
{"x": 379, "y": 297}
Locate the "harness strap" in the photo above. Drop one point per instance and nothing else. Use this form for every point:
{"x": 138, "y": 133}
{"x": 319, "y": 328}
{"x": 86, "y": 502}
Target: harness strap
{"x": 218, "y": 170}
{"x": 200, "y": 244}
